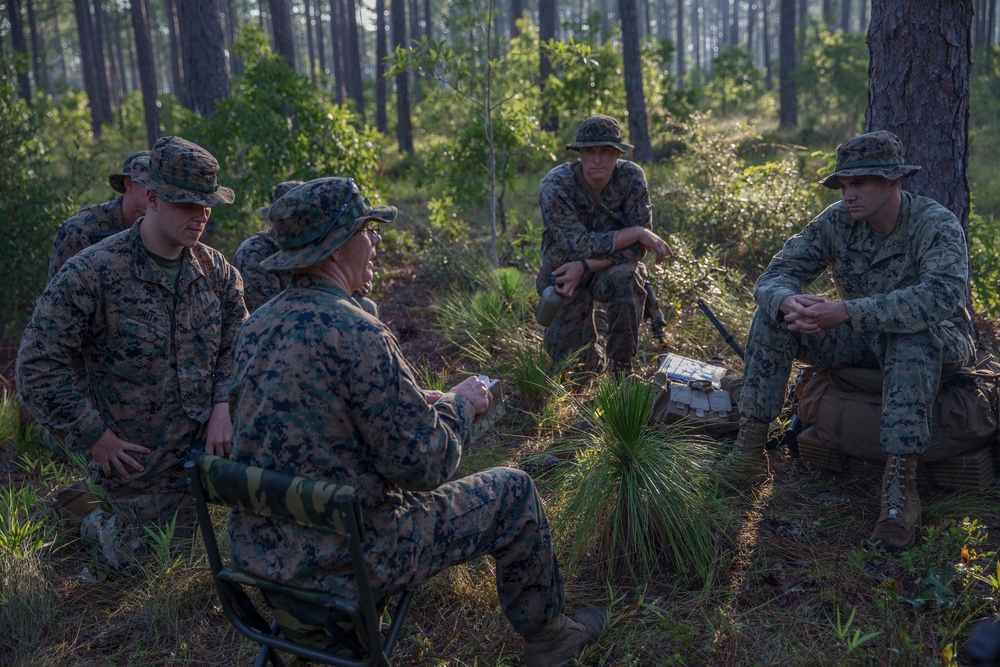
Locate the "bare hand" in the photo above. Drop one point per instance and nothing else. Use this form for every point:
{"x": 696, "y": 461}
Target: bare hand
{"x": 432, "y": 395}
{"x": 811, "y": 314}
{"x": 475, "y": 390}
{"x": 653, "y": 243}
{"x": 111, "y": 451}
{"x": 219, "y": 432}
{"x": 568, "y": 278}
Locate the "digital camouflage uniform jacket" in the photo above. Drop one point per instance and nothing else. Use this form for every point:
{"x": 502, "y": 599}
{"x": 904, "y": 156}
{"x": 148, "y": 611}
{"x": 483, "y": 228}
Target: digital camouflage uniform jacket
{"x": 83, "y": 229}
{"x": 575, "y": 228}
{"x": 347, "y": 408}
{"x": 912, "y": 279}
{"x": 157, "y": 362}
{"x": 259, "y": 285}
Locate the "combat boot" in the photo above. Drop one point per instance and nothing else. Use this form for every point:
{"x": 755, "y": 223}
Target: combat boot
{"x": 749, "y": 461}
{"x": 900, "y": 517}
{"x": 621, "y": 369}
{"x": 557, "y": 642}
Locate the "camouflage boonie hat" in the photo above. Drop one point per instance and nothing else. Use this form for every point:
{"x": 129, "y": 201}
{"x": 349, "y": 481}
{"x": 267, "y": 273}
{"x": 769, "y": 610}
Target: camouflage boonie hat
{"x": 280, "y": 190}
{"x": 316, "y": 218}
{"x": 600, "y": 131}
{"x": 878, "y": 153}
{"x": 117, "y": 179}
{"x": 180, "y": 171}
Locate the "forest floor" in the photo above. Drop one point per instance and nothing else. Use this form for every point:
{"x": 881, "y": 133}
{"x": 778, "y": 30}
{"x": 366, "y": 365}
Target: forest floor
{"x": 798, "y": 585}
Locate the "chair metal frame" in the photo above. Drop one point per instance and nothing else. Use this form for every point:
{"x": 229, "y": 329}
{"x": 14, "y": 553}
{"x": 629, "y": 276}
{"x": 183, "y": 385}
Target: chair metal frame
{"x": 341, "y": 515}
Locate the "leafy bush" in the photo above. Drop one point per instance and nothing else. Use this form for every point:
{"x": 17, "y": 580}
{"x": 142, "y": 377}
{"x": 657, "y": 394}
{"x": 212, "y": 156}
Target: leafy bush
{"x": 746, "y": 211}
{"x": 832, "y": 83}
{"x": 735, "y": 81}
{"x": 277, "y": 127}
{"x": 984, "y": 255}
{"x": 489, "y": 317}
{"x": 30, "y": 204}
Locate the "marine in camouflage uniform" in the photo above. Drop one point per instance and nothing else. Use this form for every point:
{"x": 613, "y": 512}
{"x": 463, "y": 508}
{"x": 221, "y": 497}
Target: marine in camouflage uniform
{"x": 260, "y": 285}
{"x": 597, "y": 227}
{"x": 95, "y": 223}
{"x": 321, "y": 389}
{"x": 900, "y": 265}
{"x": 150, "y": 315}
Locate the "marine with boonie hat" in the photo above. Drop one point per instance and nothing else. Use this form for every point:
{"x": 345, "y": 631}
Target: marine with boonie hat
{"x": 152, "y": 325}
{"x": 598, "y": 224}
{"x": 900, "y": 265}
{"x": 99, "y": 221}
{"x": 321, "y": 389}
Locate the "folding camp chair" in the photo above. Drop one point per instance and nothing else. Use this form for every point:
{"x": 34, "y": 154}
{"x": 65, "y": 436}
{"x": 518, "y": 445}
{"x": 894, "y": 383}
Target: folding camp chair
{"x": 319, "y": 505}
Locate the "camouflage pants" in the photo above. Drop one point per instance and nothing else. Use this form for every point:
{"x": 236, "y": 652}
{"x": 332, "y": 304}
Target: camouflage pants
{"x": 911, "y": 363}
{"x": 621, "y": 288}
{"x": 496, "y": 512}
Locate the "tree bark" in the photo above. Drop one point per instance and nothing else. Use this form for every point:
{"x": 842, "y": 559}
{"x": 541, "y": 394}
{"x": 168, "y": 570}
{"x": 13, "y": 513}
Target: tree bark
{"x": 414, "y": 17}
{"x": 320, "y": 48}
{"x": 202, "y": 41}
{"x": 103, "y": 69}
{"x": 176, "y": 60}
{"x": 310, "y": 47}
{"x": 789, "y": 107}
{"x": 232, "y": 23}
{"x": 354, "y": 61}
{"x": 20, "y": 49}
{"x": 765, "y": 25}
{"x": 516, "y": 12}
{"x": 680, "y": 43}
{"x": 381, "y": 51}
{"x": 404, "y": 127}
{"x": 37, "y": 51}
{"x": 429, "y": 28}
{"x": 281, "y": 25}
{"x": 845, "y": 15}
{"x": 548, "y": 17}
{"x": 635, "y": 101}
{"x": 147, "y": 69}
{"x": 338, "y": 28}
{"x": 932, "y": 118}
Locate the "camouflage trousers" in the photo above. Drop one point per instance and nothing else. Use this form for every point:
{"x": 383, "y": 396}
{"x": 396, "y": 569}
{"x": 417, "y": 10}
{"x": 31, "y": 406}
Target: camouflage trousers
{"x": 911, "y": 363}
{"x": 621, "y": 288}
{"x": 116, "y": 531}
{"x": 495, "y": 512}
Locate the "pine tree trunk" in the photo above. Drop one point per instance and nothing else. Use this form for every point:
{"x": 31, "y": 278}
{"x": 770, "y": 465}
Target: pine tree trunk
{"x": 232, "y": 23}
{"x": 429, "y": 21}
{"x": 147, "y": 69}
{"x": 548, "y": 17}
{"x": 381, "y": 51}
{"x": 281, "y": 25}
{"x": 680, "y": 44}
{"x": 404, "y": 127}
{"x": 765, "y": 25}
{"x": 516, "y": 12}
{"x": 354, "y": 61}
{"x": 310, "y": 46}
{"x": 20, "y": 49}
{"x": 101, "y": 61}
{"x": 788, "y": 94}
{"x": 932, "y": 118}
{"x": 202, "y": 49}
{"x": 320, "y": 47}
{"x": 338, "y": 28}
{"x": 37, "y": 51}
{"x": 638, "y": 127}
{"x": 176, "y": 58}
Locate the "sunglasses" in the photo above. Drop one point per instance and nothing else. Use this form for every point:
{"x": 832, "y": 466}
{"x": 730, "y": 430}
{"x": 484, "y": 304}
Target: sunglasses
{"x": 356, "y": 210}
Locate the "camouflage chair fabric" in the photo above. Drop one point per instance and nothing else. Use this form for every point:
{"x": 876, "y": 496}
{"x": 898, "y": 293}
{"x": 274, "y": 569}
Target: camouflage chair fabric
{"x": 314, "y": 625}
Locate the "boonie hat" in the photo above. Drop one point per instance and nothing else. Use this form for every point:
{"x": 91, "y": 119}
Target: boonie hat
{"x": 878, "y": 153}
{"x": 280, "y": 190}
{"x": 117, "y": 179}
{"x": 600, "y": 131}
{"x": 315, "y": 218}
{"x": 180, "y": 171}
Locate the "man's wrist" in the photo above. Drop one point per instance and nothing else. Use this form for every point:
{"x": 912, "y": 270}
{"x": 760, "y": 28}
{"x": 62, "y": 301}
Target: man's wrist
{"x": 586, "y": 269}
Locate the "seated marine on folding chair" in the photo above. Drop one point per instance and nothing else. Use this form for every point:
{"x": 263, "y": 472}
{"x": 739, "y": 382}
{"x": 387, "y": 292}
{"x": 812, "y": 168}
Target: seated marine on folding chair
{"x": 321, "y": 390}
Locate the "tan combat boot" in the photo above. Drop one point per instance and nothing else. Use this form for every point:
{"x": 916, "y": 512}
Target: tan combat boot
{"x": 749, "y": 461}
{"x": 556, "y": 642}
{"x": 897, "y": 524}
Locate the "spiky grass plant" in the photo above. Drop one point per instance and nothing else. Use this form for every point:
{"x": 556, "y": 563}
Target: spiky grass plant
{"x": 642, "y": 495}
{"x": 492, "y": 314}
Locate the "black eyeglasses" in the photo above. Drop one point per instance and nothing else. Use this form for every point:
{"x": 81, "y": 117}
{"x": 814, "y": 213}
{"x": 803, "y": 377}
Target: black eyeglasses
{"x": 372, "y": 230}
